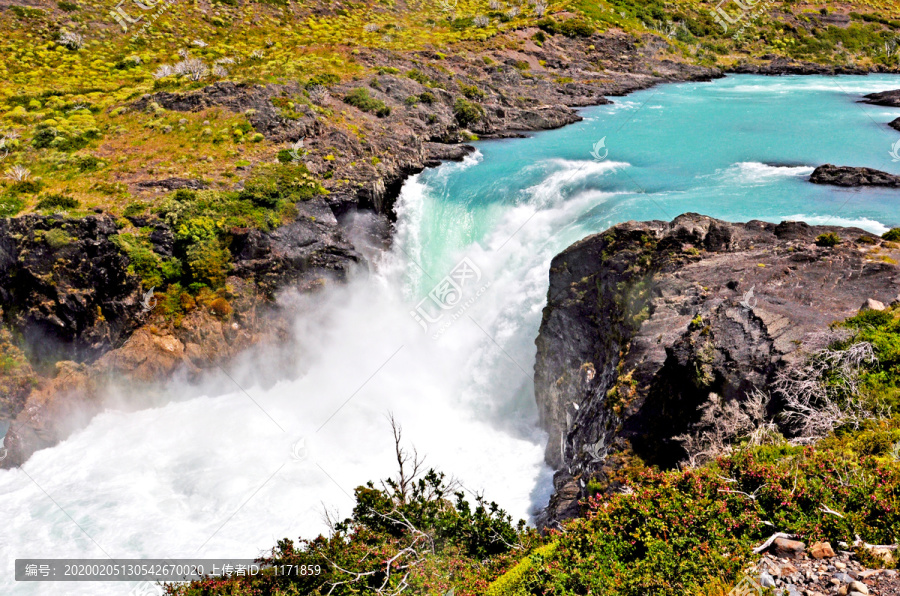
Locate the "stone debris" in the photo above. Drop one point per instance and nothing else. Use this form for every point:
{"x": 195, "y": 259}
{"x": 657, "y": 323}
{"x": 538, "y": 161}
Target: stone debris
{"x": 819, "y": 571}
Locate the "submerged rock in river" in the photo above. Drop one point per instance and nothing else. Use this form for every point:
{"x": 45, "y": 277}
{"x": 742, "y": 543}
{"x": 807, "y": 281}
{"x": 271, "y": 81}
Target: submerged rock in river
{"x": 853, "y": 177}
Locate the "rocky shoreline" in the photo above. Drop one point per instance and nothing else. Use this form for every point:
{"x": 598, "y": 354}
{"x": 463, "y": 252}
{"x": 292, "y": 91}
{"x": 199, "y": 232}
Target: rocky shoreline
{"x": 649, "y": 324}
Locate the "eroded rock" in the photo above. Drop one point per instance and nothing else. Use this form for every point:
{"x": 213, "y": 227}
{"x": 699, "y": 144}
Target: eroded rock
{"x": 648, "y": 323}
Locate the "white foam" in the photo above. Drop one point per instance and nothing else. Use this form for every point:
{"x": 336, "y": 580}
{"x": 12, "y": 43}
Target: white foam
{"x": 869, "y": 225}
{"x": 753, "y": 172}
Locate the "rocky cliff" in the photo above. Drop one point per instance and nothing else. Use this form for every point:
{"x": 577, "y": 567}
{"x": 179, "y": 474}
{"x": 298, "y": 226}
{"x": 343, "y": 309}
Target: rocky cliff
{"x": 76, "y": 323}
{"x": 649, "y": 321}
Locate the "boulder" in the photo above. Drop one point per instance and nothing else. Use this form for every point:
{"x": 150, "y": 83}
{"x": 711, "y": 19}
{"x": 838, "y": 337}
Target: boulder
{"x": 871, "y": 304}
{"x": 787, "y": 548}
{"x": 890, "y": 99}
{"x": 821, "y": 550}
{"x": 853, "y": 177}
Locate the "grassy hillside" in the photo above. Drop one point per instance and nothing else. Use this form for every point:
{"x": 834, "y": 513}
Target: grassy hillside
{"x": 69, "y": 71}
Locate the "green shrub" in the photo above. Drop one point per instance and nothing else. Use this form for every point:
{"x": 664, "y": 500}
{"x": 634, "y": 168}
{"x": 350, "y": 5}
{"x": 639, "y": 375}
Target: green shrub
{"x": 10, "y": 205}
{"x": 32, "y": 186}
{"x": 208, "y": 262}
{"x": 57, "y": 238}
{"x": 87, "y": 163}
{"x": 419, "y": 77}
{"x": 25, "y": 12}
{"x": 576, "y": 28}
{"x": 48, "y": 136}
{"x": 548, "y": 25}
{"x": 462, "y": 23}
{"x": 472, "y": 91}
{"x": 477, "y": 540}
{"x": 828, "y": 239}
{"x": 134, "y": 209}
{"x": 466, "y": 112}
{"x": 361, "y": 99}
{"x": 57, "y": 201}
{"x": 892, "y": 235}
{"x": 67, "y": 6}
{"x": 427, "y": 97}
{"x": 272, "y": 184}
{"x": 324, "y": 79}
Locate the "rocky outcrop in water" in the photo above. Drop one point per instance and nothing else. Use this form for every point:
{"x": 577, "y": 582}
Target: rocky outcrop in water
{"x": 649, "y": 321}
{"x": 890, "y": 99}
{"x": 853, "y": 177}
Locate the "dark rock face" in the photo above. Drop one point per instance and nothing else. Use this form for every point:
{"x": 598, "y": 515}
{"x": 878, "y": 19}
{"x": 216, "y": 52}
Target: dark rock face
{"x": 889, "y": 99}
{"x": 895, "y": 124}
{"x": 647, "y": 322}
{"x": 440, "y": 152}
{"x": 853, "y": 177}
{"x": 786, "y": 66}
{"x": 64, "y": 286}
{"x": 173, "y": 184}
{"x": 298, "y": 254}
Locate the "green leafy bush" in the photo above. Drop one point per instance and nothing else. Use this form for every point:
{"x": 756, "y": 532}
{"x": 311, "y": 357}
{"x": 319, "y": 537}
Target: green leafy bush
{"x": 471, "y": 91}
{"x": 48, "y": 136}
{"x": 828, "y": 239}
{"x": 892, "y": 235}
{"x": 361, "y": 99}
{"x": 208, "y": 262}
{"x": 32, "y": 186}
{"x": 466, "y": 112}
{"x": 576, "y": 28}
{"x": 323, "y": 79}
{"x": 10, "y": 205}
{"x": 57, "y": 201}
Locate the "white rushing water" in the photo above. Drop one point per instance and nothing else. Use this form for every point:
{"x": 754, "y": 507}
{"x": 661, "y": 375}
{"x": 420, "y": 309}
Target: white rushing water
{"x": 225, "y": 476}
